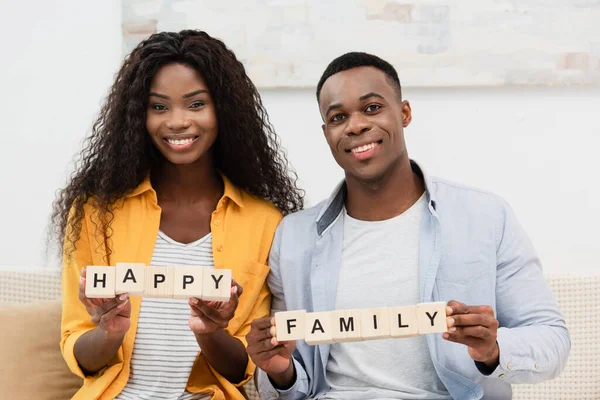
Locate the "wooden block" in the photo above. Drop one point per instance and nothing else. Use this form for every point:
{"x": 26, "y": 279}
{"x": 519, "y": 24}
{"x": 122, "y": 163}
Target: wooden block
{"x": 216, "y": 285}
{"x": 374, "y": 323}
{"x": 188, "y": 282}
{"x": 403, "y": 322}
{"x": 345, "y": 325}
{"x": 99, "y": 282}
{"x": 130, "y": 279}
{"x": 159, "y": 282}
{"x": 317, "y": 327}
{"x": 431, "y": 317}
{"x": 289, "y": 325}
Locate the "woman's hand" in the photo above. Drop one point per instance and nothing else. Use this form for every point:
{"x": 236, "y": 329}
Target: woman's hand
{"x": 212, "y": 316}
{"x": 111, "y": 315}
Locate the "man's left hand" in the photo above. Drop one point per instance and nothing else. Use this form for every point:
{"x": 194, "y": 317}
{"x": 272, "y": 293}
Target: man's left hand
{"x": 477, "y": 328}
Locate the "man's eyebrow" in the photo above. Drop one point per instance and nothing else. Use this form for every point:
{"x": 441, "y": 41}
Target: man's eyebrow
{"x": 368, "y": 95}
{"x": 192, "y": 94}
{"x": 333, "y": 107}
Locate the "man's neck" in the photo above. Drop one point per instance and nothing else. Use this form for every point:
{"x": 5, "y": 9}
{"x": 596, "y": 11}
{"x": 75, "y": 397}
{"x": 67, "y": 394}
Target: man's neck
{"x": 386, "y": 198}
{"x": 187, "y": 184}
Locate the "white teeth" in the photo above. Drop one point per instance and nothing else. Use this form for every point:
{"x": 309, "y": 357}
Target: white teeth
{"x": 364, "y": 148}
{"x": 180, "y": 142}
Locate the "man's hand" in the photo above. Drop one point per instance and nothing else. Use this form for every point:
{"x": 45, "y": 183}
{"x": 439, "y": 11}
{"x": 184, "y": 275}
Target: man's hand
{"x": 212, "y": 316}
{"x": 273, "y": 357}
{"x": 475, "y": 327}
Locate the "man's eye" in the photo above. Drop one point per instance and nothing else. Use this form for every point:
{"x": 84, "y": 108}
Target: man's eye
{"x": 372, "y": 107}
{"x": 158, "y": 107}
{"x": 337, "y": 118}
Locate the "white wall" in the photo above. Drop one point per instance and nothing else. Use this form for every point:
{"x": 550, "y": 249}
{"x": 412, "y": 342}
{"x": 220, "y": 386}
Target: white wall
{"x": 534, "y": 146}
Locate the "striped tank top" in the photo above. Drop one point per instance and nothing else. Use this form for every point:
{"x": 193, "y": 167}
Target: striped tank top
{"x": 165, "y": 348}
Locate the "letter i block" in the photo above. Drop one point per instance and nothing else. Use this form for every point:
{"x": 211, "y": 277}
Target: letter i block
{"x": 375, "y": 323}
{"x": 289, "y": 325}
{"x": 99, "y": 282}
{"x": 317, "y": 327}
{"x": 188, "y": 282}
{"x": 345, "y": 326}
{"x": 403, "y": 322}
{"x": 130, "y": 279}
{"x": 159, "y": 282}
{"x": 216, "y": 285}
{"x": 431, "y": 317}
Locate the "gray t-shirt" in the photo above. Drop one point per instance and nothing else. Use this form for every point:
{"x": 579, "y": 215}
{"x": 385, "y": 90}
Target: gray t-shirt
{"x": 380, "y": 269}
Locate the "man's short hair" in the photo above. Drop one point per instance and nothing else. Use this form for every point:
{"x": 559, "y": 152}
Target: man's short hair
{"x": 358, "y": 59}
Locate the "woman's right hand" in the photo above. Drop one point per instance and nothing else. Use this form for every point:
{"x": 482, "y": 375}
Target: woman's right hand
{"x": 110, "y": 315}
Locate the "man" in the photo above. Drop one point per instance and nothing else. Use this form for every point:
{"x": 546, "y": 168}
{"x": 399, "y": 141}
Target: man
{"x": 390, "y": 235}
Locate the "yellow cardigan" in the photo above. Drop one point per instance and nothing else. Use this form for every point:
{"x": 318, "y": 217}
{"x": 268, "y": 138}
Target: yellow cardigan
{"x": 242, "y": 227}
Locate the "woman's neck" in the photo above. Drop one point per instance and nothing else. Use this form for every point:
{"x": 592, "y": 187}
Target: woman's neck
{"x": 187, "y": 183}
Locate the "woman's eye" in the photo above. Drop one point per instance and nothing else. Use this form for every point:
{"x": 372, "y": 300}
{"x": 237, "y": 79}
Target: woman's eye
{"x": 197, "y": 104}
{"x": 158, "y": 107}
{"x": 372, "y": 107}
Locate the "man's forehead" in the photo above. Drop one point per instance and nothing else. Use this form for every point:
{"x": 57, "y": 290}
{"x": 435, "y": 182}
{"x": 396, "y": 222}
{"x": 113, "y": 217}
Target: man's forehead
{"x": 354, "y": 83}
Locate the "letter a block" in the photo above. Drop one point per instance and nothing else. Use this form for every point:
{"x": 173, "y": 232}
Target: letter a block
{"x": 159, "y": 282}
{"x": 130, "y": 279}
{"x": 403, "y": 322}
{"x": 345, "y": 326}
{"x": 289, "y": 325}
{"x": 188, "y": 282}
{"x": 216, "y": 285}
{"x": 375, "y": 323}
{"x": 431, "y": 317}
{"x": 99, "y": 282}
{"x": 318, "y": 328}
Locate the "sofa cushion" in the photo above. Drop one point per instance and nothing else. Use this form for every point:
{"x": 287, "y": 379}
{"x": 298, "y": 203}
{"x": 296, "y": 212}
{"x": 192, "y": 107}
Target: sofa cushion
{"x": 31, "y": 364}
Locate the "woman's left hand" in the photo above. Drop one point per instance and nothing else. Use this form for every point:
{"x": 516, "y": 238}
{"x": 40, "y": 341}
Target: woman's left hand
{"x": 212, "y": 316}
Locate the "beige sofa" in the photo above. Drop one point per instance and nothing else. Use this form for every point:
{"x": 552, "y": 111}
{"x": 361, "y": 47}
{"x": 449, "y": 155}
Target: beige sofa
{"x": 31, "y": 366}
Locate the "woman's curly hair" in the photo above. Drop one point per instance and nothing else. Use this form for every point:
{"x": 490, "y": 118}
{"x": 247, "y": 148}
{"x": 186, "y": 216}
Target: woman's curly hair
{"x": 119, "y": 153}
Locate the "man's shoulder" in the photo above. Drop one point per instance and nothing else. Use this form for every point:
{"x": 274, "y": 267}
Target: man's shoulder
{"x": 304, "y": 218}
{"x": 456, "y": 193}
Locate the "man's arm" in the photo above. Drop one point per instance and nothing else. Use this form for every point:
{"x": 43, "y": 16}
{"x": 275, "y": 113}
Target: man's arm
{"x": 533, "y": 340}
{"x": 292, "y": 383}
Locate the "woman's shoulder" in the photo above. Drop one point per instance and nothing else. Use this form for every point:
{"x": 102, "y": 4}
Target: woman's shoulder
{"x": 260, "y": 207}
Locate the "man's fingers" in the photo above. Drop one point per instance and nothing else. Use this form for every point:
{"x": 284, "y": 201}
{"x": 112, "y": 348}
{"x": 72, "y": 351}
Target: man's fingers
{"x": 262, "y": 323}
{"x": 466, "y": 340}
{"x": 270, "y": 353}
{"x": 472, "y": 320}
{"x": 475, "y": 332}
{"x": 456, "y": 307}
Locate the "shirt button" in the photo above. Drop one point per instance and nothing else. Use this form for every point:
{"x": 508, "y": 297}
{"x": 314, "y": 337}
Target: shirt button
{"x": 501, "y": 376}
{"x": 217, "y": 222}
{"x": 509, "y": 366}
{"x": 220, "y": 248}
{"x": 537, "y": 366}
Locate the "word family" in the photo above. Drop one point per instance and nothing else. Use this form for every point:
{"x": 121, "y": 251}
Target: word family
{"x": 356, "y": 325}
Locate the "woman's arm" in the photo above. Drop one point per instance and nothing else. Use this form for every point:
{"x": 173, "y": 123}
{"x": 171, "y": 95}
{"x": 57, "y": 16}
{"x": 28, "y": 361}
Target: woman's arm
{"x": 225, "y": 353}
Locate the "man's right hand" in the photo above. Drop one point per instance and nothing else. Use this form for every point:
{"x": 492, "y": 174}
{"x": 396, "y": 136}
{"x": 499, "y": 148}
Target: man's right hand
{"x": 111, "y": 315}
{"x": 273, "y": 357}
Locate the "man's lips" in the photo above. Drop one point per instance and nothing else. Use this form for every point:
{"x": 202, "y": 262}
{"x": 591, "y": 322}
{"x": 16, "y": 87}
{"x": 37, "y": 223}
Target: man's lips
{"x": 364, "y": 151}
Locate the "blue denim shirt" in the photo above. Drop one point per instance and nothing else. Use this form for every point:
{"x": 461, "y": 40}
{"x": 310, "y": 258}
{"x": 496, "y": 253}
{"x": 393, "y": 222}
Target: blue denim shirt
{"x": 472, "y": 249}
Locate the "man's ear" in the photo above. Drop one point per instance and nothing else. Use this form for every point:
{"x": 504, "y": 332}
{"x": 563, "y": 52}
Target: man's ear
{"x": 406, "y": 113}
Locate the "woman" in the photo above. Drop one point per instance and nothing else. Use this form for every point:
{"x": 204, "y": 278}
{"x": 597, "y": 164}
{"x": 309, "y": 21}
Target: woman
{"x": 182, "y": 168}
